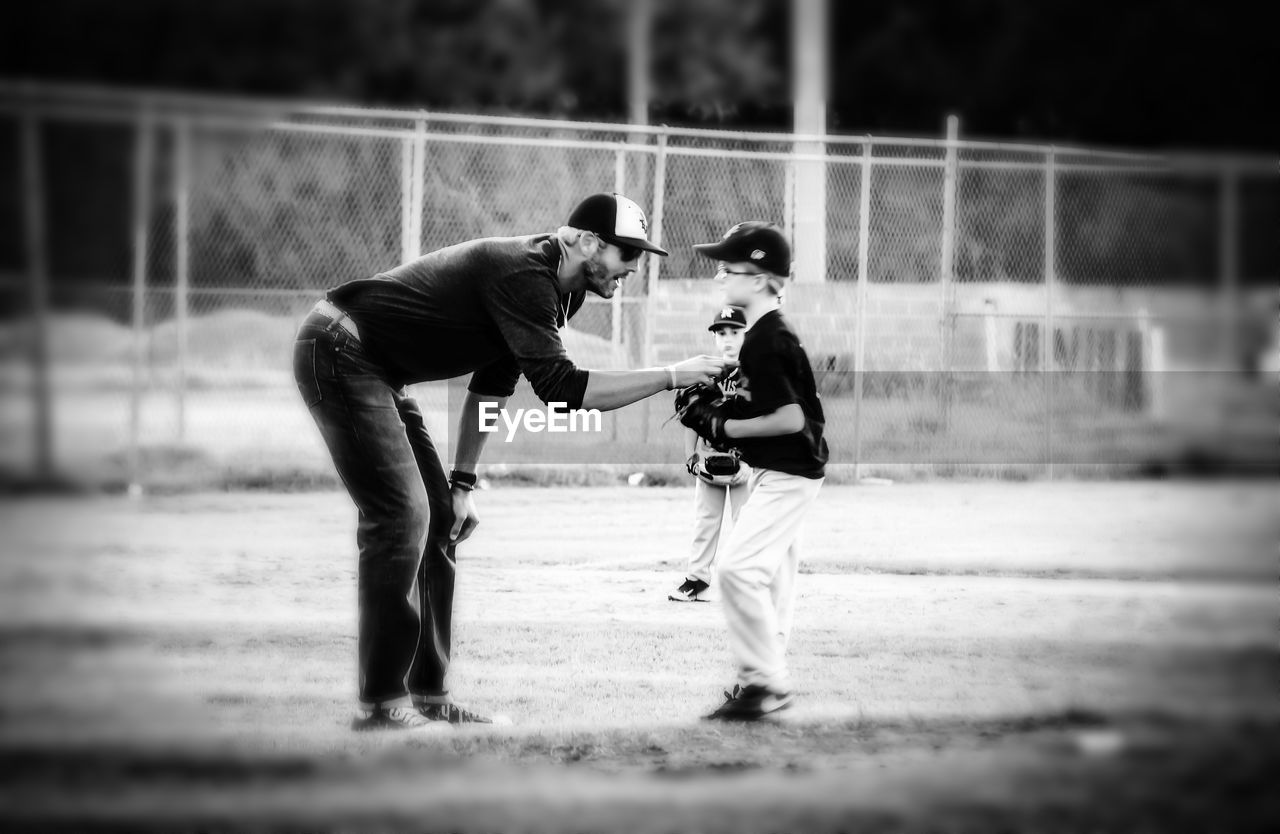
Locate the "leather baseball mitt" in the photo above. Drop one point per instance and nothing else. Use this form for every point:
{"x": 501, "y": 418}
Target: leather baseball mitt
{"x": 700, "y": 408}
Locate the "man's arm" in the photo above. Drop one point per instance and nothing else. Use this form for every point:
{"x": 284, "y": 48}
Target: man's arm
{"x": 786, "y": 420}
{"x": 470, "y": 444}
{"x": 607, "y": 390}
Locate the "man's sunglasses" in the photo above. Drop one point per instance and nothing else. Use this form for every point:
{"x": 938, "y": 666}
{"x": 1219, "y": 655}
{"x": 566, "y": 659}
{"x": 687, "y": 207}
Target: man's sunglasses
{"x": 628, "y": 253}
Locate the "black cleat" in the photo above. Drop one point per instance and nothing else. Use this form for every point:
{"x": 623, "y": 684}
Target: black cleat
{"x": 691, "y": 590}
{"x": 750, "y": 703}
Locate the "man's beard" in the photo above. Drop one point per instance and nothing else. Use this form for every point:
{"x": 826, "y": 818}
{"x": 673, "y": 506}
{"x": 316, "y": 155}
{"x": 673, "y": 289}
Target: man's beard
{"x": 595, "y": 272}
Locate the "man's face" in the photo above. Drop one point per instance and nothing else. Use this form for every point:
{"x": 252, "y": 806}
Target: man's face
{"x": 729, "y": 341}
{"x": 739, "y": 281}
{"x": 606, "y": 270}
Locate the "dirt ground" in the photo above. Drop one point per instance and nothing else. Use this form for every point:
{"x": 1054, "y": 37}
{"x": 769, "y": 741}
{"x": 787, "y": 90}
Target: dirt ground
{"x": 968, "y": 656}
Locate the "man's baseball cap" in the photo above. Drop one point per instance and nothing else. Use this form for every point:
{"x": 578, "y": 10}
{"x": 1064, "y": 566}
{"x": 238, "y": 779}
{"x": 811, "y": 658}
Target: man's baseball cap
{"x": 616, "y": 220}
{"x": 754, "y": 242}
{"x": 729, "y": 317}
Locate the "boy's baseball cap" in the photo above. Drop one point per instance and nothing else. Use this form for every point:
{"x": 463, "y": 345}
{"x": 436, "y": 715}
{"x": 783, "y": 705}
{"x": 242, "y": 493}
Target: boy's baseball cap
{"x": 754, "y": 242}
{"x": 729, "y": 317}
{"x": 616, "y": 220}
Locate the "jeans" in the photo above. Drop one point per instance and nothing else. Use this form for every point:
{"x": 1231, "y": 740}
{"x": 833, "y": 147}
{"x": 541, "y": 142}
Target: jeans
{"x": 395, "y": 477}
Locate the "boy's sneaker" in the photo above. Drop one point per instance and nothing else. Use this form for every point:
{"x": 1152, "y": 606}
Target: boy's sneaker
{"x": 391, "y": 718}
{"x": 750, "y": 703}
{"x": 691, "y": 590}
{"x": 454, "y": 714}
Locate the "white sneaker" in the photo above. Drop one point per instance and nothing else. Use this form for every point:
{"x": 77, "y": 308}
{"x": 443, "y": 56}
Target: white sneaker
{"x": 391, "y": 718}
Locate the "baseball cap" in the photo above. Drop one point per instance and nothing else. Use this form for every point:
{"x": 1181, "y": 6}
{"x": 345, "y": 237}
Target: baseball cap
{"x": 616, "y": 220}
{"x": 754, "y": 242}
{"x": 729, "y": 317}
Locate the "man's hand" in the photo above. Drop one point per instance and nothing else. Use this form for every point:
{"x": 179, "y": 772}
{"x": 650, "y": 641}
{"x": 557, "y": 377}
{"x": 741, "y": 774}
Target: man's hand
{"x": 699, "y": 369}
{"x": 464, "y": 516}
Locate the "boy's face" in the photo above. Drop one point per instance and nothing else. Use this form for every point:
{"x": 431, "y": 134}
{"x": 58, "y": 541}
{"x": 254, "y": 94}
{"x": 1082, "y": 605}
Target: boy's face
{"x": 741, "y": 281}
{"x": 728, "y": 340}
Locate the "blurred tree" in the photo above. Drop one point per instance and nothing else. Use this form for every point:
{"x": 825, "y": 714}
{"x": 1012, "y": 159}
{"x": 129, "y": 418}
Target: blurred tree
{"x": 719, "y": 62}
{"x": 1145, "y": 72}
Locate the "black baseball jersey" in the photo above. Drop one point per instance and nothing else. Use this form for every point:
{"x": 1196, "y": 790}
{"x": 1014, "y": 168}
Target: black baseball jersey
{"x": 492, "y": 306}
{"x": 774, "y": 371}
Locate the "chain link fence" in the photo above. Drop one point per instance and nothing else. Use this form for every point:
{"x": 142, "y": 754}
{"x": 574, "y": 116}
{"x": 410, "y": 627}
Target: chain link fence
{"x": 979, "y": 307}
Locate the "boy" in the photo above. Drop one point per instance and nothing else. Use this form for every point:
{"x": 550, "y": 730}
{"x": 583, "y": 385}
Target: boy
{"x": 713, "y": 492}
{"x": 776, "y": 421}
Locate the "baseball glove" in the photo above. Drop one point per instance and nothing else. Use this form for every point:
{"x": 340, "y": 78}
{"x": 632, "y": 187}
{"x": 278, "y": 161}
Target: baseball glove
{"x": 699, "y": 407}
{"x": 718, "y": 468}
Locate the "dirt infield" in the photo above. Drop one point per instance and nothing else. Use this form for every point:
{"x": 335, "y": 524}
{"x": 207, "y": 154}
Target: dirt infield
{"x": 969, "y": 656}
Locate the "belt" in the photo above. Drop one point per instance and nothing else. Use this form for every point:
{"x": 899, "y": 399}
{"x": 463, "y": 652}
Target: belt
{"x": 339, "y": 318}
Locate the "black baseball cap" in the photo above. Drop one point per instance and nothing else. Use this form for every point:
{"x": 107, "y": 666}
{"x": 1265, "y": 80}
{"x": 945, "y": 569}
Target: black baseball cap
{"x": 729, "y": 317}
{"x": 754, "y": 241}
{"x": 616, "y": 220}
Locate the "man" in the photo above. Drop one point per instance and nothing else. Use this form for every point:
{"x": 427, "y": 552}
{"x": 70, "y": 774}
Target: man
{"x": 491, "y": 308}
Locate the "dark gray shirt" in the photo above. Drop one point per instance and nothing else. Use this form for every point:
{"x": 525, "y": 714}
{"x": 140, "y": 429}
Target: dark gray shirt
{"x": 491, "y": 306}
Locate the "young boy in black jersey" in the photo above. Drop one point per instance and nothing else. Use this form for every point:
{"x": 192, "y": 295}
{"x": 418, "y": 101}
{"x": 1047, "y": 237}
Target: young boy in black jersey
{"x": 776, "y": 421}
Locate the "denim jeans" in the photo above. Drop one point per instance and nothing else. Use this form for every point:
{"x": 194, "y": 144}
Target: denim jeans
{"x": 394, "y": 474}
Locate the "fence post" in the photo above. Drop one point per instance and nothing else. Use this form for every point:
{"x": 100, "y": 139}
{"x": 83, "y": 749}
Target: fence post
{"x": 860, "y": 323}
{"x": 144, "y": 151}
{"x": 1229, "y": 263}
{"x": 413, "y": 154}
{"x": 655, "y": 234}
{"x": 1155, "y": 369}
{"x": 1050, "y": 285}
{"x": 615, "y": 303}
{"x": 406, "y": 200}
{"x": 789, "y": 199}
{"x": 38, "y": 276}
{"x": 948, "y": 266}
{"x": 182, "y": 259}
{"x": 619, "y": 187}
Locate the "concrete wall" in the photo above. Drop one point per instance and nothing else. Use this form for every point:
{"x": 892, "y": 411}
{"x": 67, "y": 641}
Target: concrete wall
{"x": 905, "y": 321}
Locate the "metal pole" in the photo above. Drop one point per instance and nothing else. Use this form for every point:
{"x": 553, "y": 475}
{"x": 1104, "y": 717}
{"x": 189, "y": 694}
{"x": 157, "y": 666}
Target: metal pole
{"x": 655, "y": 234}
{"x": 408, "y": 250}
{"x": 639, "y": 27}
{"x": 947, "y": 267}
{"x": 417, "y": 190}
{"x": 860, "y": 345}
{"x": 789, "y": 200}
{"x": 143, "y": 153}
{"x": 1229, "y": 263}
{"x": 182, "y": 259}
{"x": 1050, "y": 285}
{"x": 38, "y": 275}
{"x": 809, "y": 51}
{"x": 619, "y": 187}
{"x": 615, "y": 304}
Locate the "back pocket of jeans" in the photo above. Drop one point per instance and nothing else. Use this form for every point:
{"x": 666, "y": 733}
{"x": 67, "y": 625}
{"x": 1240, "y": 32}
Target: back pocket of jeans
{"x": 304, "y": 371}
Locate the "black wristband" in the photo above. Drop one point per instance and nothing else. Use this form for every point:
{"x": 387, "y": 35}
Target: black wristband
{"x": 462, "y": 480}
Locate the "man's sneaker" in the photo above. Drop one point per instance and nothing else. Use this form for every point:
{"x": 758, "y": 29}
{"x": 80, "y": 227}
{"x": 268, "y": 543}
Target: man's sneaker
{"x": 454, "y": 714}
{"x": 750, "y": 703}
{"x": 691, "y": 590}
{"x": 391, "y": 718}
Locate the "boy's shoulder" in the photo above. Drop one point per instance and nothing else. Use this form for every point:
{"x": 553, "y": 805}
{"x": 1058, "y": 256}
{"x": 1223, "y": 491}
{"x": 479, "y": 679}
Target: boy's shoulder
{"x": 772, "y": 332}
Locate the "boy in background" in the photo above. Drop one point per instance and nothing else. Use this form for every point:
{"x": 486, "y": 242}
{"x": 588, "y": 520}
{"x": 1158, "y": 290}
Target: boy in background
{"x": 713, "y": 492}
{"x": 776, "y": 420}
